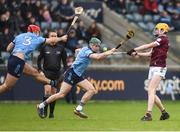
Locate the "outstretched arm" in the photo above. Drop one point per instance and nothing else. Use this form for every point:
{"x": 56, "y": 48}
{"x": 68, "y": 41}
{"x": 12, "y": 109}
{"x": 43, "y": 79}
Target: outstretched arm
{"x": 144, "y": 54}
{"x": 146, "y": 46}
{"x": 54, "y": 40}
{"x": 98, "y": 56}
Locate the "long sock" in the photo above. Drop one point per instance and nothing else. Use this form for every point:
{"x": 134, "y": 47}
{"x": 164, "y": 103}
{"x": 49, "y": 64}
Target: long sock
{"x": 52, "y": 106}
{"x": 43, "y": 104}
{"x": 46, "y": 107}
{"x": 74, "y": 98}
{"x": 80, "y": 106}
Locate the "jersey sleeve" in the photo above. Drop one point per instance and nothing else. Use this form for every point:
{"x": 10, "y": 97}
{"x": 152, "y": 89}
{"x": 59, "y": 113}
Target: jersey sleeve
{"x": 159, "y": 41}
{"x": 41, "y": 39}
{"x": 88, "y": 52}
{"x": 14, "y": 41}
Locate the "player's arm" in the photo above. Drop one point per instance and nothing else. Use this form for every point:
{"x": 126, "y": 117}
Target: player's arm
{"x": 10, "y": 47}
{"x": 98, "y": 56}
{"x": 142, "y": 47}
{"x": 54, "y": 40}
{"x": 144, "y": 54}
{"x": 146, "y": 46}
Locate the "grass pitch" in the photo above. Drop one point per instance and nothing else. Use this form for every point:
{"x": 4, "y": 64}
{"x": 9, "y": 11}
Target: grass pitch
{"x": 103, "y": 116}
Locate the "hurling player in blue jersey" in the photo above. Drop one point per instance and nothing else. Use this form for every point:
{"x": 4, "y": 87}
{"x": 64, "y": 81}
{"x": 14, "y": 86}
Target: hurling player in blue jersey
{"x": 21, "y": 48}
{"x": 74, "y": 76}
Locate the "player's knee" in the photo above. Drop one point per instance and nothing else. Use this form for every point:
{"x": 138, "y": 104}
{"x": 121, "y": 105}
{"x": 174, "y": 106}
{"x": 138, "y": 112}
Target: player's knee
{"x": 47, "y": 93}
{"x": 92, "y": 90}
{"x": 151, "y": 91}
{"x": 7, "y": 87}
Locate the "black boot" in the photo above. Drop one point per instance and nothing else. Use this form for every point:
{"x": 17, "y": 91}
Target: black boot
{"x": 164, "y": 116}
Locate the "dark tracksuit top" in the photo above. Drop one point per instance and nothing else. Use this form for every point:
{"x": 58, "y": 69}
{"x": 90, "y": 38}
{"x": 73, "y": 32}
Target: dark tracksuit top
{"x": 52, "y": 56}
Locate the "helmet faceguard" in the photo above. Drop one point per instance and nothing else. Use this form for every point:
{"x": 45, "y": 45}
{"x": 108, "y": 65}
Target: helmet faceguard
{"x": 160, "y": 29}
{"x": 95, "y": 44}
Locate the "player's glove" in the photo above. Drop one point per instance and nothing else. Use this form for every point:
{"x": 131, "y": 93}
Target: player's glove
{"x": 130, "y": 52}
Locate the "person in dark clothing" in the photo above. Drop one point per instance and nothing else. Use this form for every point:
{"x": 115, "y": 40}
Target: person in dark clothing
{"x": 64, "y": 11}
{"x": 72, "y": 42}
{"x": 25, "y": 7}
{"x": 5, "y": 39}
{"x": 81, "y": 31}
{"x": 52, "y": 56}
{"x": 93, "y": 31}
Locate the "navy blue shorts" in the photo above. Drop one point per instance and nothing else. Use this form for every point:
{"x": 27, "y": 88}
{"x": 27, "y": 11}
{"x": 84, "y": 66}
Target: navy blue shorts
{"x": 15, "y": 66}
{"x": 71, "y": 77}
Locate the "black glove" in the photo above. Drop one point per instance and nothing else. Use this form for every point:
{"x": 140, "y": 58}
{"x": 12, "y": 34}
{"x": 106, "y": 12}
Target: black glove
{"x": 130, "y": 52}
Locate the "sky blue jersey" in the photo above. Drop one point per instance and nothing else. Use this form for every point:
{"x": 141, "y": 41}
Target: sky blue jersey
{"x": 82, "y": 61}
{"x": 26, "y": 43}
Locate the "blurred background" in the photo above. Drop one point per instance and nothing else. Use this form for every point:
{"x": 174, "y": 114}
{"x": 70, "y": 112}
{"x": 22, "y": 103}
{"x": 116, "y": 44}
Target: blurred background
{"x": 117, "y": 77}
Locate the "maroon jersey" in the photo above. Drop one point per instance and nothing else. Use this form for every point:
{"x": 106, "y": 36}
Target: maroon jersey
{"x": 159, "y": 53}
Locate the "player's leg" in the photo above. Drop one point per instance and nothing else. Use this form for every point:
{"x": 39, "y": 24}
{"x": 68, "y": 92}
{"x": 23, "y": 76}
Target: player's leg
{"x": 153, "y": 84}
{"x": 31, "y": 71}
{"x": 90, "y": 91}
{"x": 9, "y": 82}
{"x": 68, "y": 97}
{"x": 52, "y": 104}
{"x": 74, "y": 97}
{"x": 71, "y": 96}
{"x": 15, "y": 69}
{"x": 65, "y": 88}
{"x": 158, "y": 103}
{"x": 47, "y": 94}
{"x": 164, "y": 114}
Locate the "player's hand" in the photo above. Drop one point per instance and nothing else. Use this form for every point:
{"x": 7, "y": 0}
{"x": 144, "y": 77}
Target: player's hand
{"x": 64, "y": 38}
{"x": 113, "y": 50}
{"x": 132, "y": 52}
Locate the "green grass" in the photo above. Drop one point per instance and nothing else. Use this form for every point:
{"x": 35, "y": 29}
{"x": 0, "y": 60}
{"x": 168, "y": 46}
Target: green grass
{"x": 103, "y": 115}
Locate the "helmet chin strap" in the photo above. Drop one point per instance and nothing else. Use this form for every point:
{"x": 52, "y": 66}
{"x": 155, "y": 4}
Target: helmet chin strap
{"x": 156, "y": 35}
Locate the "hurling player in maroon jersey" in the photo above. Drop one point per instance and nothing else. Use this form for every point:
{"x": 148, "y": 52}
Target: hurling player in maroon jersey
{"x": 158, "y": 54}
